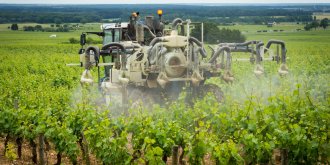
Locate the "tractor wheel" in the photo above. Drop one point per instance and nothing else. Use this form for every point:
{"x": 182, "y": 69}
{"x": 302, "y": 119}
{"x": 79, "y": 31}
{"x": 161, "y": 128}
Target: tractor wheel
{"x": 213, "y": 89}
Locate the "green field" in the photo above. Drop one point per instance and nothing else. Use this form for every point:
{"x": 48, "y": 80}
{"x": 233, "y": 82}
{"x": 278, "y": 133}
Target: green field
{"x": 42, "y": 38}
{"x": 259, "y": 116}
{"x": 286, "y": 27}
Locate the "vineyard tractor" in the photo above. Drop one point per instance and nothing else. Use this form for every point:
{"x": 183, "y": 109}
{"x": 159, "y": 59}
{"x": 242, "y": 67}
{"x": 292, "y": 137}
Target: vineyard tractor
{"x": 142, "y": 61}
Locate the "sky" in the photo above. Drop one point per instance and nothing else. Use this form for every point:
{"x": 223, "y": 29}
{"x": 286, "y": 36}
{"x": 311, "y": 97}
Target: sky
{"x": 154, "y": 1}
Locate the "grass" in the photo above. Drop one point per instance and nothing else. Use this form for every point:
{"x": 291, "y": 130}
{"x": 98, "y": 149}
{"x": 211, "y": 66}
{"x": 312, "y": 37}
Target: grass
{"x": 246, "y": 29}
{"x": 42, "y": 38}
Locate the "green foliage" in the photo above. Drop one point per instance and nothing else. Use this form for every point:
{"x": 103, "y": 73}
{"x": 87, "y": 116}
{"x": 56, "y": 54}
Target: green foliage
{"x": 308, "y": 27}
{"x": 153, "y": 155}
{"x": 14, "y": 26}
{"x": 227, "y": 153}
{"x": 73, "y": 40}
{"x": 28, "y": 28}
{"x": 324, "y": 23}
{"x": 38, "y": 28}
{"x": 213, "y": 35}
{"x": 10, "y": 152}
{"x": 315, "y": 24}
{"x": 228, "y": 35}
{"x": 92, "y": 41}
{"x": 106, "y": 144}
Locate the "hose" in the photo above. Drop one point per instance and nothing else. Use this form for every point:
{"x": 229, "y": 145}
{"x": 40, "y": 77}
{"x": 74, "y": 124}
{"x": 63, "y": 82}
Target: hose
{"x": 217, "y": 53}
{"x": 239, "y": 44}
{"x": 283, "y": 48}
{"x": 249, "y": 50}
{"x": 212, "y": 49}
{"x": 96, "y": 51}
{"x": 114, "y": 44}
{"x": 202, "y": 51}
{"x": 154, "y": 55}
{"x": 270, "y": 42}
{"x": 150, "y": 32}
{"x": 120, "y": 46}
{"x": 248, "y": 43}
{"x": 152, "y": 44}
{"x": 175, "y": 23}
{"x": 227, "y": 76}
{"x": 259, "y": 51}
{"x": 155, "y": 40}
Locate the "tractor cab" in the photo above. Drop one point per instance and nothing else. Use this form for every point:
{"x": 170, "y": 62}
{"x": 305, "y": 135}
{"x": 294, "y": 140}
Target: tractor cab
{"x": 115, "y": 32}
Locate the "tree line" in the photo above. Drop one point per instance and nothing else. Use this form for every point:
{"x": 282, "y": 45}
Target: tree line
{"x": 97, "y": 13}
{"x": 52, "y": 28}
{"x": 214, "y": 35}
{"x": 324, "y": 23}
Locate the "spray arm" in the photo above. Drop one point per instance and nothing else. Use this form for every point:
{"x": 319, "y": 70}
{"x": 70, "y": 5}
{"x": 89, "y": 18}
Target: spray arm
{"x": 283, "y": 48}
{"x": 217, "y": 53}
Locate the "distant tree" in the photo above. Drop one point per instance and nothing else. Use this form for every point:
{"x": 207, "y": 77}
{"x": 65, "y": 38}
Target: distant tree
{"x": 210, "y": 31}
{"x": 308, "y": 27}
{"x": 28, "y": 28}
{"x": 58, "y": 25}
{"x": 73, "y": 41}
{"x": 38, "y": 28}
{"x": 52, "y": 25}
{"x": 62, "y": 29}
{"x": 213, "y": 35}
{"x": 14, "y": 26}
{"x": 315, "y": 24}
{"x": 228, "y": 35}
{"x": 324, "y": 23}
